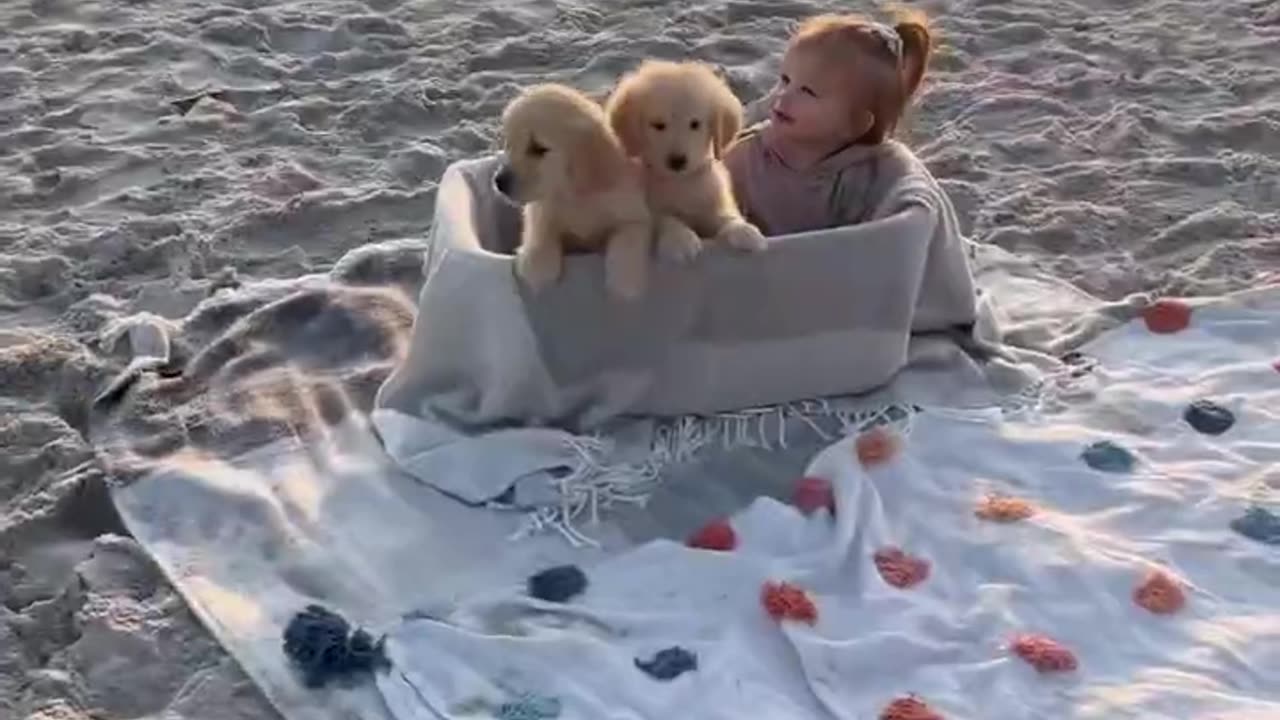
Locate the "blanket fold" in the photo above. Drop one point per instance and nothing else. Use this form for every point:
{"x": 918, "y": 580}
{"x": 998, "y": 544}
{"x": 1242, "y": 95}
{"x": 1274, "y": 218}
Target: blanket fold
{"x": 819, "y": 314}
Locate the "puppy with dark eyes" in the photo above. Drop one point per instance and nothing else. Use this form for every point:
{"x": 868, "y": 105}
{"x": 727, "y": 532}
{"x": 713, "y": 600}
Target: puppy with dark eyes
{"x": 677, "y": 119}
{"x": 578, "y": 190}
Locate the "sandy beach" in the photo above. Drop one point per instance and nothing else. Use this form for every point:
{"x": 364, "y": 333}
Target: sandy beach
{"x": 153, "y": 154}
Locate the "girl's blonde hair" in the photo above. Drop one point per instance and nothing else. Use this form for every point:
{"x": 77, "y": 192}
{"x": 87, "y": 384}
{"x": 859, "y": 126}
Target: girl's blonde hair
{"x": 905, "y": 65}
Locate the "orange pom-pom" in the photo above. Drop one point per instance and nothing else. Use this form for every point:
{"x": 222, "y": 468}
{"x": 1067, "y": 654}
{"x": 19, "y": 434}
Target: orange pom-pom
{"x": 1167, "y": 316}
{"x": 812, "y": 493}
{"x": 909, "y": 708}
{"x": 1044, "y": 653}
{"x": 876, "y": 446}
{"x": 900, "y": 569}
{"x": 784, "y": 601}
{"x": 1159, "y": 593}
{"x": 1002, "y": 508}
{"x": 716, "y": 535}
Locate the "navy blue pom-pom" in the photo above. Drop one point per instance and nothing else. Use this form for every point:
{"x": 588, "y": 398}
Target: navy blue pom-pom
{"x": 320, "y": 644}
{"x": 558, "y": 584}
{"x": 1258, "y": 524}
{"x": 1107, "y": 456}
{"x": 1208, "y": 417}
{"x": 669, "y": 664}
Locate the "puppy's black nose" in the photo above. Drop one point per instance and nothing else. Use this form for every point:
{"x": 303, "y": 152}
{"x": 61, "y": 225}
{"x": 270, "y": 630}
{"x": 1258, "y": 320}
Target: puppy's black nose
{"x": 503, "y": 180}
{"x": 677, "y": 162}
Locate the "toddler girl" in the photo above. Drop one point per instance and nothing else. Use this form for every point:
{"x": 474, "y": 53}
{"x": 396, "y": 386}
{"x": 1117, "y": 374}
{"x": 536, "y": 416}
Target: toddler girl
{"x": 825, "y": 154}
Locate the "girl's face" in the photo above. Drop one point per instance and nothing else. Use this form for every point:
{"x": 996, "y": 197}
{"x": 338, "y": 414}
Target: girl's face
{"x": 814, "y": 101}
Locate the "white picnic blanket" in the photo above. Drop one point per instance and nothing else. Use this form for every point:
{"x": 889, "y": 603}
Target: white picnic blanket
{"x": 255, "y": 481}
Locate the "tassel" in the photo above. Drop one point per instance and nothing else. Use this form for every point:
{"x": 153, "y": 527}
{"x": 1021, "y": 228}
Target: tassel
{"x": 320, "y": 643}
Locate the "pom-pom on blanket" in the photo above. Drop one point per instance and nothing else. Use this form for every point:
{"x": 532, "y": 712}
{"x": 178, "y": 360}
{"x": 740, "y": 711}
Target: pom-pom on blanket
{"x": 502, "y": 394}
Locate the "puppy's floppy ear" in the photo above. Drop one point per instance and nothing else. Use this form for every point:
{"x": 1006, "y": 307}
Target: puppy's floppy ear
{"x": 726, "y": 113}
{"x": 623, "y": 110}
{"x": 595, "y": 162}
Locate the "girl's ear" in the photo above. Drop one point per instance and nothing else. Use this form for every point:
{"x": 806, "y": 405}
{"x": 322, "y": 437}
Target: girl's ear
{"x": 863, "y": 122}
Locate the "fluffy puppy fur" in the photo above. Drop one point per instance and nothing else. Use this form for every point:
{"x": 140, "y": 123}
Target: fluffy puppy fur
{"x": 578, "y": 189}
{"x": 677, "y": 119}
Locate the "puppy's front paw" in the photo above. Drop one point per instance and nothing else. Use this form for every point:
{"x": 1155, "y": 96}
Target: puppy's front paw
{"x": 677, "y": 243}
{"x": 538, "y": 267}
{"x": 743, "y": 236}
{"x": 626, "y": 283}
{"x": 626, "y": 262}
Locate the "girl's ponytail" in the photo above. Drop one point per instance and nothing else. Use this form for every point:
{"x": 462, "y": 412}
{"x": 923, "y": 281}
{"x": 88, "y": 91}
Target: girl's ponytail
{"x": 917, "y": 46}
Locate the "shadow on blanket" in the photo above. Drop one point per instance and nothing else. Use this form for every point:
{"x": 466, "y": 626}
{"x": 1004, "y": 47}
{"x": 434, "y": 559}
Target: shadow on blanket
{"x": 250, "y": 367}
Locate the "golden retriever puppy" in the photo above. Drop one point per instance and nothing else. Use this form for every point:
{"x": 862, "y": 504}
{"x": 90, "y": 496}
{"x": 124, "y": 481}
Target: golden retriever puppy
{"x": 578, "y": 190}
{"x": 677, "y": 119}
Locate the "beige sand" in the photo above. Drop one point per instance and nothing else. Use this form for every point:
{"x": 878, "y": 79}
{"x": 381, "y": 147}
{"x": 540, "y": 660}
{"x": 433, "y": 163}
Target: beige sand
{"x": 1123, "y": 145}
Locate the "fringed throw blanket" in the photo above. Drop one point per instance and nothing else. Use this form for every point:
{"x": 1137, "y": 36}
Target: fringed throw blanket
{"x": 497, "y": 382}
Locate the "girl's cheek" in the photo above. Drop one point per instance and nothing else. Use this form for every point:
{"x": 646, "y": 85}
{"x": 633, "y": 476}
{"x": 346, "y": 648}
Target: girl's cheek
{"x": 800, "y": 105}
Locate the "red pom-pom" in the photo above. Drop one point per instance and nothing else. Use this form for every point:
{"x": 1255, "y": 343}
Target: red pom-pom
{"x": 909, "y": 708}
{"x": 900, "y": 569}
{"x": 1276, "y": 365}
{"x": 1044, "y": 653}
{"x": 1159, "y": 593}
{"x": 1167, "y": 316}
{"x": 813, "y": 493}
{"x": 784, "y": 601}
{"x": 876, "y": 446}
{"x": 716, "y": 535}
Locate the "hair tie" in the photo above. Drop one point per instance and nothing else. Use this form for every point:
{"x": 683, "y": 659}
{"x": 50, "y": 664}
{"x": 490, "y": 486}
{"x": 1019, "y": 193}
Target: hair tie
{"x": 888, "y": 36}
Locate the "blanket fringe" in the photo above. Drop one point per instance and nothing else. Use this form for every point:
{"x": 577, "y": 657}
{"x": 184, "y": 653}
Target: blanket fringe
{"x": 1052, "y": 392}
{"x": 596, "y": 482}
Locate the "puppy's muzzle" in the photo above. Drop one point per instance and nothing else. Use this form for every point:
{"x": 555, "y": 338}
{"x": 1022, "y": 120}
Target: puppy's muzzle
{"x": 677, "y": 162}
{"x": 505, "y": 181}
